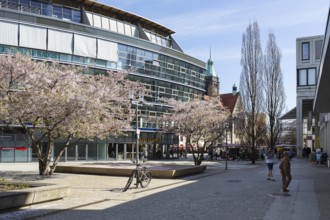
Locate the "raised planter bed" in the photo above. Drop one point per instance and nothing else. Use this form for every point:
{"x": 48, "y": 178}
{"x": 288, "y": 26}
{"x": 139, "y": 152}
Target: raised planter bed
{"x": 157, "y": 171}
{"x": 35, "y": 193}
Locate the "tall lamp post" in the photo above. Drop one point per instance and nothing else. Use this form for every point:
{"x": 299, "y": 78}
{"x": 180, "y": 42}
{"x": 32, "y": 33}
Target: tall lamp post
{"x": 226, "y": 129}
{"x": 136, "y": 102}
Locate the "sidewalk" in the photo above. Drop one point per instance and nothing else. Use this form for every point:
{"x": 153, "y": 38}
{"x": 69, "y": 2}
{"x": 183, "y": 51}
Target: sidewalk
{"x": 241, "y": 192}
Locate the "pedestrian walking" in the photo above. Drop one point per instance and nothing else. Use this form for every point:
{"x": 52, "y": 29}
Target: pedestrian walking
{"x": 270, "y": 156}
{"x": 318, "y": 156}
{"x": 285, "y": 168}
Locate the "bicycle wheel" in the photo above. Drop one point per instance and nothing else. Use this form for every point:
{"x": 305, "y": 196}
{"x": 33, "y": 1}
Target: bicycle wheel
{"x": 130, "y": 180}
{"x": 145, "y": 178}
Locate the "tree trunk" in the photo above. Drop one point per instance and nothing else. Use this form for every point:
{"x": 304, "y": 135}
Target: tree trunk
{"x": 44, "y": 161}
{"x": 52, "y": 170}
{"x": 195, "y": 158}
{"x": 44, "y": 168}
{"x": 200, "y": 159}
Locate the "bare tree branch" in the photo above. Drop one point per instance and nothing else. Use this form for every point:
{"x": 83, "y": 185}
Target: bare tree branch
{"x": 251, "y": 81}
{"x": 273, "y": 89}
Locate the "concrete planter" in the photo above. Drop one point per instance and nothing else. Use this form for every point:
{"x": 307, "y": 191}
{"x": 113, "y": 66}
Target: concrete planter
{"x": 165, "y": 171}
{"x": 36, "y": 193}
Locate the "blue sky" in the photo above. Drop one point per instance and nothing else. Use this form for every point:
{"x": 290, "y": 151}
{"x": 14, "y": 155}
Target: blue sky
{"x": 220, "y": 24}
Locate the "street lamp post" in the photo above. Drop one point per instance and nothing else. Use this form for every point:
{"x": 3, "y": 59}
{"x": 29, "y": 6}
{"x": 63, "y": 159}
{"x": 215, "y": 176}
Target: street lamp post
{"x": 140, "y": 100}
{"x": 226, "y": 128}
{"x": 137, "y": 132}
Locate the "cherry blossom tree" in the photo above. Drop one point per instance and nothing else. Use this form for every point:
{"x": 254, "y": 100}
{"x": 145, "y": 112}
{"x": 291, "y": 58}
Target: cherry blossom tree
{"x": 57, "y": 102}
{"x": 201, "y": 122}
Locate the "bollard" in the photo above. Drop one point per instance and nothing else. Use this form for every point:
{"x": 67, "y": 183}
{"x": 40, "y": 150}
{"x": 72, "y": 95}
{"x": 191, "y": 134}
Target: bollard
{"x": 329, "y": 162}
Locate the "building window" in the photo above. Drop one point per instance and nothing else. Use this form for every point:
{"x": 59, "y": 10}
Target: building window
{"x": 170, "y": 66}
{"x": 67, "y": 14}
{"x": 318, "y": 49}
{"x": 25, "y": 2}
{"x": 305, "y": 51}
{"x": 306, "y": 77}
{"x": 36, "y": 7}
{"x": 302, "y": 77}
{"x": 47, "y": 9}
{"x": 76, "y": 16}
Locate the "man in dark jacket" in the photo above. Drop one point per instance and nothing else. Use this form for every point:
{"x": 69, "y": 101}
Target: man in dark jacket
{"x": 285, "y": 168}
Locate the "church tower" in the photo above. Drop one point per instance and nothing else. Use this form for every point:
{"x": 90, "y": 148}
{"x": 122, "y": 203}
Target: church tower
{"x": 212, "y": 84}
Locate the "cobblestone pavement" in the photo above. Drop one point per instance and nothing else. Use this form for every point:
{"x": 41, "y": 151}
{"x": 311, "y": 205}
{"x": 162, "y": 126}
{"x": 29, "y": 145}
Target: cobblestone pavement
{"x": 241, "y": 192}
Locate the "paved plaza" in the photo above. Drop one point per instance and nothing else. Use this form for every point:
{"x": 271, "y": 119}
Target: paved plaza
{"x": 241, "y": 192}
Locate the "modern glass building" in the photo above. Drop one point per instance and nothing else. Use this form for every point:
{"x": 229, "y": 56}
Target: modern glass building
{"x": 103, "y": 38}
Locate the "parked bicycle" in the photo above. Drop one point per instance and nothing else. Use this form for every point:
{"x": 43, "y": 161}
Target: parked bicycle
{"x": 142, "y": 176}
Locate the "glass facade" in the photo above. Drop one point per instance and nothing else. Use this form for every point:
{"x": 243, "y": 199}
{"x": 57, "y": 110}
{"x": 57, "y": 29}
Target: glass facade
{"x": 160, "y": 66}
{"x": 14, "y": 148}
{"x": 150, "y": 68}
{"x": 165, "y": 72}
{"x": 56, "y": 11}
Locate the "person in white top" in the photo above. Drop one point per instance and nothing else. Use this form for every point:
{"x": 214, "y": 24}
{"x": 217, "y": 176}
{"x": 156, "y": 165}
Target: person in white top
{"x": 270, "y": 157}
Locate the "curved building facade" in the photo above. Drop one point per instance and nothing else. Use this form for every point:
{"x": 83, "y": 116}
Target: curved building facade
{"x": 103, "y": 38}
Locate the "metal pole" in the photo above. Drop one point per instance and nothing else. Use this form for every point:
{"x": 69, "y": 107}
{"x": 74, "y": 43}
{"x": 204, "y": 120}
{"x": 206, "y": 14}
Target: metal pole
{"x": 226, "y": 149}
{"x": 132, "y": 157}
{"x": 137, "y": 135}
{"x": 137, "y": 140}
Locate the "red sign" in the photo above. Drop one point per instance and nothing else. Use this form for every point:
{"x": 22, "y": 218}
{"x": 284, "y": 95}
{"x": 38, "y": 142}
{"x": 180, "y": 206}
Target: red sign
{"x": 13, "y": 148}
